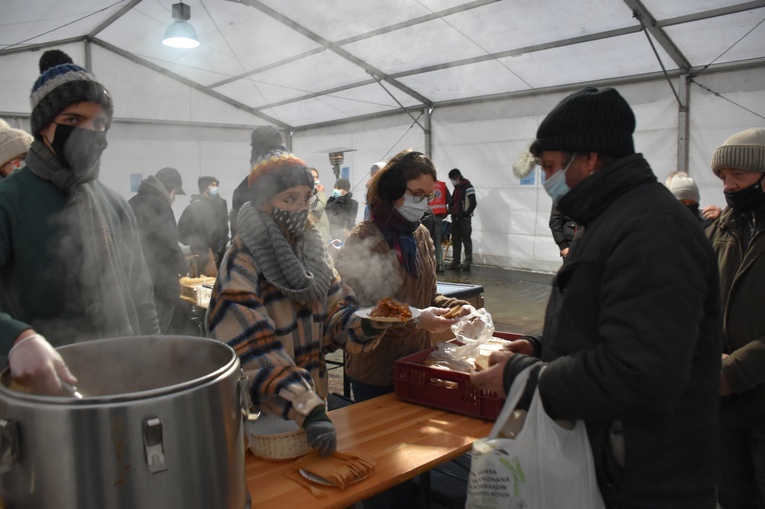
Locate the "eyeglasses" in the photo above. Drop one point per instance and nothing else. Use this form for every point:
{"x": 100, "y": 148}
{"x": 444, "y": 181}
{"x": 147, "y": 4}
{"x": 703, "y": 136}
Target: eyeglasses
{"x": 418, "y": 196}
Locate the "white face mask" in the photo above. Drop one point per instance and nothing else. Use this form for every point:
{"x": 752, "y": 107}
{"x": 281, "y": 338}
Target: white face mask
{"x": 455, "y": 182}
{"x": 410, "y": 210}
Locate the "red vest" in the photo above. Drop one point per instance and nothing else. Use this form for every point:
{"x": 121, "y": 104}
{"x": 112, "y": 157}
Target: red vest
{"x": 438, "y": 205}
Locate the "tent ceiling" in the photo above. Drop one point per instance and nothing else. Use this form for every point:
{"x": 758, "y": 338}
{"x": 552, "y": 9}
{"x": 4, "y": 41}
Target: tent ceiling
{"x": 301, "y": 63}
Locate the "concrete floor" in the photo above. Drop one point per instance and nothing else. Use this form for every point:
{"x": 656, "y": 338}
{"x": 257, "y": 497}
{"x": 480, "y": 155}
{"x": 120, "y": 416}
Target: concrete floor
{"x": 515, "y": 299}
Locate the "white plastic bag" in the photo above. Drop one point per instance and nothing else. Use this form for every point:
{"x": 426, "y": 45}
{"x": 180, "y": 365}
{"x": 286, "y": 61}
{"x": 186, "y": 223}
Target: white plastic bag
{"x": 544, "y": 467}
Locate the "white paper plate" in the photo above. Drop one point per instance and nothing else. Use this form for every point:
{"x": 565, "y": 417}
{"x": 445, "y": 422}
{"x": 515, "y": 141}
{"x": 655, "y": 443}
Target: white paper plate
{"x": 364, "y": 313}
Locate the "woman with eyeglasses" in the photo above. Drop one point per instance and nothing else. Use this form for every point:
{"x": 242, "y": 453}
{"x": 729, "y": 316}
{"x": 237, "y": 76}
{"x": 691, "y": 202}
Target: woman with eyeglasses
{"x": 392, "y": 255}
{"x": 279, "y": 303}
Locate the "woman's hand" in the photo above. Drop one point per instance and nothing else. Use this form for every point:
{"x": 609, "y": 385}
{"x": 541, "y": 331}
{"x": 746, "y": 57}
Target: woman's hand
{"x": 432, "y": 320}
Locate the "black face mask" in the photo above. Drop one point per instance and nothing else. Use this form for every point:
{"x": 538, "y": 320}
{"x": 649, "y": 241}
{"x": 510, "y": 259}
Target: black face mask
{"x": 80, "y": 148}
{"x": 747, "y": 199}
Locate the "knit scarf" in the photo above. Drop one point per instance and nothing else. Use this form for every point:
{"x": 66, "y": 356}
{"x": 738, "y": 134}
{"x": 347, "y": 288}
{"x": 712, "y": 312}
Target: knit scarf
{"x": 302, "y": 272}
{"x": 399, "y": 233}
{"x": 87, "y": 245}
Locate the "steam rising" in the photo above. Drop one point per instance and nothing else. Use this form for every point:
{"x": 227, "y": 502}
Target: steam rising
{"x": 372, "y": 274}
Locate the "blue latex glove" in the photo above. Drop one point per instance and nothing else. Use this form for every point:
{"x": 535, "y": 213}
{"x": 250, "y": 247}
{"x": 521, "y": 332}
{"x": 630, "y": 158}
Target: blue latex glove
{"x": 322, "y": 437}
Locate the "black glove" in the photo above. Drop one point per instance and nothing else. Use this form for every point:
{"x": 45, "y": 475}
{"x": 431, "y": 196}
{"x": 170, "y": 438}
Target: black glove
{"x": 320, "y": 432}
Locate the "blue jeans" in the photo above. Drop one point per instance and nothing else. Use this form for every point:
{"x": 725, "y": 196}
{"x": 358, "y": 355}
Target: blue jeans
{"x": 741, "y": 476}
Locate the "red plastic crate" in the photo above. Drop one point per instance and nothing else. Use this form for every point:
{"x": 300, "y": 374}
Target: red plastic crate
{"x": 442, "y": 388}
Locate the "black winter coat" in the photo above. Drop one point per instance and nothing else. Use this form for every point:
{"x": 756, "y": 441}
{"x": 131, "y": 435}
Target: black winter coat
{"x": 159, "y": 239}
{"x": 204, "y": 224}
{"x": 632, "y": 339}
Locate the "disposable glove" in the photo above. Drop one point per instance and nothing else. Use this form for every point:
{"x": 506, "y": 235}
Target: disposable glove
{"x": 35, "y": 363}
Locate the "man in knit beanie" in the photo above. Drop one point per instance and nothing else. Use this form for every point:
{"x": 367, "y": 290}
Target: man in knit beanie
{"x": 738, "y": 239}
{"x": 341, "y": 209}
{"x": 71, "y": 265}
{"x": 14, "y": 145}
{"x": 631, "y": 341}
{"x": 684, "y": 188}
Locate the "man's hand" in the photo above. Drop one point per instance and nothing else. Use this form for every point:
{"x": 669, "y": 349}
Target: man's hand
{"x": 711, "y": 212}
{"x": 491, "y": 379}
{"x": 35, "y": 363}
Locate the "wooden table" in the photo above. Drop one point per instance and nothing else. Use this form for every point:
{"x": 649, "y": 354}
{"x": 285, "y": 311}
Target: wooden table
{"x": 404, "y": 438}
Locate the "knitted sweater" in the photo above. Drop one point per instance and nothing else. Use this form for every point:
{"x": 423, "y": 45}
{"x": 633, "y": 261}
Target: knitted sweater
{"x": 372, "y": 269}
{"x": 32, "y": 266}
{"x": 280, "y": 342}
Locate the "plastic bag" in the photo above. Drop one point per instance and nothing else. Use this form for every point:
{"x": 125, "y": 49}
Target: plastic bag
{"x": 544, "y": 467}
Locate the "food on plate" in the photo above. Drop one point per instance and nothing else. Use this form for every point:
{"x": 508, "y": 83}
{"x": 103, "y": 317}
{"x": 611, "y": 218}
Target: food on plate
{"x": 389, "y": 308}
{"x": 453, "y": 312}
{"x": 339, "y": 469}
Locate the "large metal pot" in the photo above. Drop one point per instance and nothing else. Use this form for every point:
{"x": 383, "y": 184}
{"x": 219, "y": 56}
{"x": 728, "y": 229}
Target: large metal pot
{"x": 160, "y": 427}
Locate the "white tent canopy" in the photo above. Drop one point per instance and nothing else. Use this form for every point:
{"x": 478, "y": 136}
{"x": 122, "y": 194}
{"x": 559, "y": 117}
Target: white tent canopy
{"x": 466, "y": 81}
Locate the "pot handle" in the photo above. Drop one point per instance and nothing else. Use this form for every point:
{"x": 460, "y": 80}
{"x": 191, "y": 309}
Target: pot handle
{"x": 153, "y": 445}
{"x": 9, "y": 444}
{"x": 243, "y": 395}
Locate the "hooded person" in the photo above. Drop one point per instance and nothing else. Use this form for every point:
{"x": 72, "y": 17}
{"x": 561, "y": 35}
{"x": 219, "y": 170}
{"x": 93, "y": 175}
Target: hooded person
{"x": 631, "y": 340}
{"x": 203, "y": 226}
{"x": 279, "y": 303}
{"x": 738, "y": 240}
{"x": 14, "y": 145}
{"x": 462, "y": 206}
{"x": 159, "y": 239}
{"x": 341, "y": 209}
{"x": 71, "y": 265}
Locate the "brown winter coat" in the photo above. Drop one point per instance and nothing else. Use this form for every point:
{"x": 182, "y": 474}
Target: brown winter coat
{"x": 742, "y": 285}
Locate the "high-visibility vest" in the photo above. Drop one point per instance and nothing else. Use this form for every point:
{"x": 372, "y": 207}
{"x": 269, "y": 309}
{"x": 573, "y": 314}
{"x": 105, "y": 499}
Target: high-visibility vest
{"x": 438, "y": 205}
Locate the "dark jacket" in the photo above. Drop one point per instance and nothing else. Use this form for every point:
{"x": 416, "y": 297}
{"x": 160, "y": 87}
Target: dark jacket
{"x": 204, "y": 224}
{"x": 563, "y": 228}
{"x": 463, "y": 202}
{"x": 35, "y": 276}
{"x": 742, "y": 286}
{"x": 632, "y": 339}
{"x": 159, "y": 239}
{"x": 240, "y": 197}
{"x": 341, "y": 212}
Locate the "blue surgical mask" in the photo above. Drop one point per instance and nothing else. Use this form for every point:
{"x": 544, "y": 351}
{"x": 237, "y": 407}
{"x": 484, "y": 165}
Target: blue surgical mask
{"x": 410, "y": 210}
{"x": 337, "y": 193}
{"x": 556, "y": 185}
{"x": 213, "y": 191}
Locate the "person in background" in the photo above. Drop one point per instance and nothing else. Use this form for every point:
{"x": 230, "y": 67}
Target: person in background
{"x": 14, "y": 145}
{"x": 738, "y": 240}
{"x": 392, "y": 255}
{"x": 372, "y": 172}
{"x": 462, "y": 207}
{"x": 159, "y": 239}
{"x": 439, "y": 207}
{"x": 263, "y": 139}
{"x": 317, "y": 214}
{"x": 341, "y": 209}
{"x": 280, "y": 304}
{"x": 563, "y": 230}
{"x": 71, "y": 265}
{"x": 203, "y": 226}
{"x": 632, "y": 337}
{"x": 686, "y": 191}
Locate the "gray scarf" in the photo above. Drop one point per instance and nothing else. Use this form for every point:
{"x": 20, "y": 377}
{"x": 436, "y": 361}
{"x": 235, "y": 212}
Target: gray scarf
{"x": 302, "y": 272}
{"x": 87, "y": 245}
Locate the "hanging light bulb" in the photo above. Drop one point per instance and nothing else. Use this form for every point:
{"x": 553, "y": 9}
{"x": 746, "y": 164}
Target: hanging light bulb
{"x": 180, "y": 33}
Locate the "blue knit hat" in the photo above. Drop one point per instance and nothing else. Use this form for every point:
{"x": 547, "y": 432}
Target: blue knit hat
{"x": 61, "y": 84}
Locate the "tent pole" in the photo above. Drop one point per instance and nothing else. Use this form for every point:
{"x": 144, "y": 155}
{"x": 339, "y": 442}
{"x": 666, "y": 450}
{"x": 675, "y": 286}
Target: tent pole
{"x": 683, "y": 124}
{"x": 428, "y": 133}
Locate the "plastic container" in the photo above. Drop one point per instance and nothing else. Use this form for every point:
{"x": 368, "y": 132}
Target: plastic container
{"x": 445, "y": 389}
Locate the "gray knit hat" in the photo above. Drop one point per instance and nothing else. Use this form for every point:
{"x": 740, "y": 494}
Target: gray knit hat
{"x": 13, "y": 142}
{"x": 61, "y": 84}
{"x": 743, "y": 151}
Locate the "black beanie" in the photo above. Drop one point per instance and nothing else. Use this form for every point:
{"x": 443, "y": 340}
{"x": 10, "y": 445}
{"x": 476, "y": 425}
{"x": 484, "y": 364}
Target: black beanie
{"x": 589, "y": 120}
